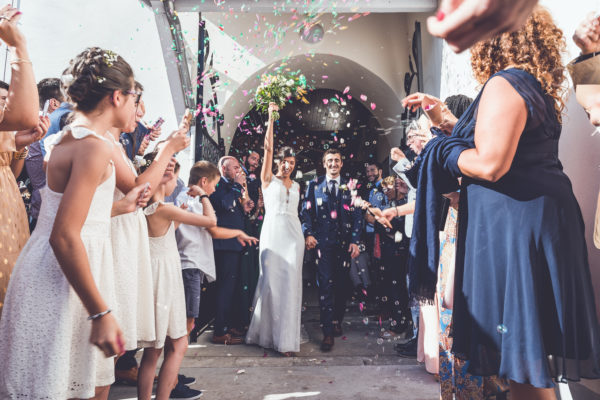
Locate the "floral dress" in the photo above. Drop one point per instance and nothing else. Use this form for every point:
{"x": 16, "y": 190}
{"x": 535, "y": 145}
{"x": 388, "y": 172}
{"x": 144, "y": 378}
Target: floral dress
{"x": 454, "y": 378}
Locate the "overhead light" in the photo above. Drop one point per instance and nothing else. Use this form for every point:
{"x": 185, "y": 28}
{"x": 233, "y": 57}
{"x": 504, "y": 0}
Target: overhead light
{"x": 312, "y": 33}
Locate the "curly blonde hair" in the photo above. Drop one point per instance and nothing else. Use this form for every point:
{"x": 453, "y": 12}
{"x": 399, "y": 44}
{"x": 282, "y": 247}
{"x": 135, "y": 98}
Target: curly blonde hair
{"x": 535, "y": 48}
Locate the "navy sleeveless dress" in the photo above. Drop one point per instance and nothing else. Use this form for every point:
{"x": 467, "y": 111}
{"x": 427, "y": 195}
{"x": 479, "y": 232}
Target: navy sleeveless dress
{"x": 524, "y": 304}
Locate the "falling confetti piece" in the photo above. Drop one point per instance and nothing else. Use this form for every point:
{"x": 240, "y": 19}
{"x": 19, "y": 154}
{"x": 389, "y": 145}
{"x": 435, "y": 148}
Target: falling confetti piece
{"x": 325, "y": 101}
{"x": 373, "y": 106}
{"x": 347, "y": 89}
{"x": 241, "y": 371}
{"x": 363, "y": 97}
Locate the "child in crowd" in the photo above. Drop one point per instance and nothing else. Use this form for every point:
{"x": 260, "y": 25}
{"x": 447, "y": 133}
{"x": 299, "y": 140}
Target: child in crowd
{"x": 171, "y": 332}
{"x": 195, "y": 241}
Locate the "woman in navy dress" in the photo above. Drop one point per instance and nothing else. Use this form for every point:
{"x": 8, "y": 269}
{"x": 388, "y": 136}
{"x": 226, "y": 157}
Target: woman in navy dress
{"x": 524, "y": 305}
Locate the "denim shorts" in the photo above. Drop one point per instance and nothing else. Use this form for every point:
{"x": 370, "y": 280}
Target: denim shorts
{"x": 192, "y": 286}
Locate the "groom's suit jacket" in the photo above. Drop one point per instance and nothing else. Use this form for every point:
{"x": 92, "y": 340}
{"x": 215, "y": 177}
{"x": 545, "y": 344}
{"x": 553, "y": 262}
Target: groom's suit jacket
{"x": 333, "y": 221}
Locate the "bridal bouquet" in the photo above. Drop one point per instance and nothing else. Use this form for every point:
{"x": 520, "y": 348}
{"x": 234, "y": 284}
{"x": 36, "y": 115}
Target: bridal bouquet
{"x": 280, "y": 89}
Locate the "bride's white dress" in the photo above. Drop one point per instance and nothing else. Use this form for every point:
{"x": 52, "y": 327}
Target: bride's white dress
{"x": 278, "y": 300}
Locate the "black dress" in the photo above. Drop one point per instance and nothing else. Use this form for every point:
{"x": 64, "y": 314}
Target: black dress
{"x": 524, "y": 304}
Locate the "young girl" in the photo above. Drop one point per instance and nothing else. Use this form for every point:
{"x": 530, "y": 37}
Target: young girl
{"x": 63, "y": 278}
{"x": 129, "y": 234}
{"x": 170, "y": 312}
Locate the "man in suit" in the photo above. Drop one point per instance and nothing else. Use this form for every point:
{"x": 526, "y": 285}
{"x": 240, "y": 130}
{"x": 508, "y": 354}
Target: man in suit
{"x": 333, "y": 226}
{"x": 226, "y": 200}
{"x": 585, "y": 72}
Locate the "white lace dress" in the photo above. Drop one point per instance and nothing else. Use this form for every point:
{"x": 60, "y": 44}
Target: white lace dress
{"x": 169, "y": 297}
{"x": 45, "y": 349}
{"x": 133, "y": 273}
{"x": 278, "y": 300}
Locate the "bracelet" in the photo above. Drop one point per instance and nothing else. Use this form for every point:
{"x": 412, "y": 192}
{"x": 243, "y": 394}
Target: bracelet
{"x": 99, "y": 315}
{"x": 203, "y": 196}
{"x": 20, "y": 155}
{"x": 20, "y": 61}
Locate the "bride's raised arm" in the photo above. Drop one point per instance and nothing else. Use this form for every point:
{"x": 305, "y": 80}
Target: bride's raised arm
{"x": 266, "y": 172}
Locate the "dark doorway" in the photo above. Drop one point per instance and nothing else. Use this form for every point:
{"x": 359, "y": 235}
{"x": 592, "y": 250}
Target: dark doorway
{"x": 330, "y": 120}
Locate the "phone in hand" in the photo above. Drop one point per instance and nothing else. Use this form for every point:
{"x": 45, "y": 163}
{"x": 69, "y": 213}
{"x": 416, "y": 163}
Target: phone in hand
{"x": 143, "y": 192}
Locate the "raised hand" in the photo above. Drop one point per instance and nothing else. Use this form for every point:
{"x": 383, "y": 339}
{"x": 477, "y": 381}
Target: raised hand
{"x": 179, "y": 139}
{"x": 587, "y": 34}
{"x": 248, "y": 206}
{"x": 273, "y": 108}
{"x": 9, "y": 32}
{"x": 396, "y": 154}
{"x": 240, "y": 178}
{"x": 195, "y": 191}
{"x": 464, "y": 22}
{"x": 419, "y": 100}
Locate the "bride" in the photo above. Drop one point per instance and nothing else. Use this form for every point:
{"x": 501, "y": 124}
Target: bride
{"x": 278, "y": 300}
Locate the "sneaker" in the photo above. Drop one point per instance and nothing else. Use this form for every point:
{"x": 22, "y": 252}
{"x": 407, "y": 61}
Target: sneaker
{"x": 186, "y": 380}
{"x": 182, "y": 391}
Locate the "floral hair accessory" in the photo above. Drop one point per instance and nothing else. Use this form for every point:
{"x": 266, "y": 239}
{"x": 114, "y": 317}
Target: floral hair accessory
{"x": 110, "y": 58}
{"x": 100, "y": 79}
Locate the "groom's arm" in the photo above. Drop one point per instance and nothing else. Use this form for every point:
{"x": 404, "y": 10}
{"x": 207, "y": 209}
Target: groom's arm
{"x": 307, "y": 211}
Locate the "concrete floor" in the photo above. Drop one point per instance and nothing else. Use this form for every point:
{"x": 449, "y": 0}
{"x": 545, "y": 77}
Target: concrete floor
{"x": 361, "y": 366}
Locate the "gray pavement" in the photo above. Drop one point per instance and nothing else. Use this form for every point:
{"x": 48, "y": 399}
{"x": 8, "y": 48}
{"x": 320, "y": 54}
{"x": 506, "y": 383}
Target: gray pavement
{"x": 360, "y": 366}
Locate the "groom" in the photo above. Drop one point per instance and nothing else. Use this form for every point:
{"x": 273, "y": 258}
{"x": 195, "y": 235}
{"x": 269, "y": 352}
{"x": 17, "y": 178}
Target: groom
{"x": 332, "y": 226}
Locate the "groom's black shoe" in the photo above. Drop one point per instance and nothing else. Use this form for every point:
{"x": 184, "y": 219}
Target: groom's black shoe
{"x": 327, "y": 343}
{"x": 337, "y": 330}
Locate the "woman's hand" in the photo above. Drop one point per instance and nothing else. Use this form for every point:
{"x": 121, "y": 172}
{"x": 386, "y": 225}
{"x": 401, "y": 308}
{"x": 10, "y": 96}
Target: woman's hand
{"x": 107, "y": 335}
{"x": 272, "y": 108}
{"x": 396, "y": 154}
{"x": 9, "y": 32}
{"x": 246, "y": 240}
{"x": 195, "y": 191}
{"x": 154, "y": 133}
{"x": 26, "y": 137}
{"x": 179, "y": 139}
{"x": 138, "y": 197}
{"x": 143, "y": 146}
{"x": 587, "y": 34}
{"x": 419, "y": 100}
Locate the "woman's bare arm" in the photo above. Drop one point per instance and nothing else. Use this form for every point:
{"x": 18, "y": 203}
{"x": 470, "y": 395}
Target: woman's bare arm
{"x": 497, "y": 132}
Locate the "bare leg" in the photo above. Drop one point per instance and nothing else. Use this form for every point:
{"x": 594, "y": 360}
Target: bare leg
{"x": 101, "y": 393}
{"x": 190, "y": 325}
{"x": 520, "y": 391}
{"x": 167, "y": 377}
{"x": 146, "y": 372}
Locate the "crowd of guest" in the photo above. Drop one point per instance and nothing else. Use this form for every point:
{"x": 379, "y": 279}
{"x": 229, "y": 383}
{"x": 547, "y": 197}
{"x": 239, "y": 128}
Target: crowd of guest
{"x": 115, "y": 249}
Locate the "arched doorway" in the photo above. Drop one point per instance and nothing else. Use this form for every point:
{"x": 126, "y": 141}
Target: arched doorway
{"x": 330, "y": 120}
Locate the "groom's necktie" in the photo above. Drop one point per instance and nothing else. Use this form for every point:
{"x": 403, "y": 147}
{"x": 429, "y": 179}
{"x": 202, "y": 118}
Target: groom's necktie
{"x": 332, "y": 188}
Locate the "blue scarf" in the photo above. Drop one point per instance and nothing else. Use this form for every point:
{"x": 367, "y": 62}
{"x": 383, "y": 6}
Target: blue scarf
{"x": 435, "y": 172}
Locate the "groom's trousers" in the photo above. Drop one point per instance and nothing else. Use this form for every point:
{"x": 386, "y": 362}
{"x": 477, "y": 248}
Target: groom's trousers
{"x": 333, "y": 280}
{"x": 228, "y": 265}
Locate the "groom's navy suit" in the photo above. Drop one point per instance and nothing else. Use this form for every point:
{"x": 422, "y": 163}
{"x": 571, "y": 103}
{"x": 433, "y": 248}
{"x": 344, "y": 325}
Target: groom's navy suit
{"x": 334, "y": 223}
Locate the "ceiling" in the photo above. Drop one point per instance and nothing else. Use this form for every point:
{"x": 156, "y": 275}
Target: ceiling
{"x": 267, "y": 6}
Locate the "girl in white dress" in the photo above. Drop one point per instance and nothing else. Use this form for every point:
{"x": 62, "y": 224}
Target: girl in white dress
{"x": 278, "y": 300}
{"x": 63, "y": 277}
{"x": 129, "y": 234}
{"x": 170, "y": 312}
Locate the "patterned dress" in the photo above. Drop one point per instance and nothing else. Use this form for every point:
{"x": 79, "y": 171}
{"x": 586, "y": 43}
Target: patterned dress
{"x": 454, "y": 378}
{"x": 14, "y": 228}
